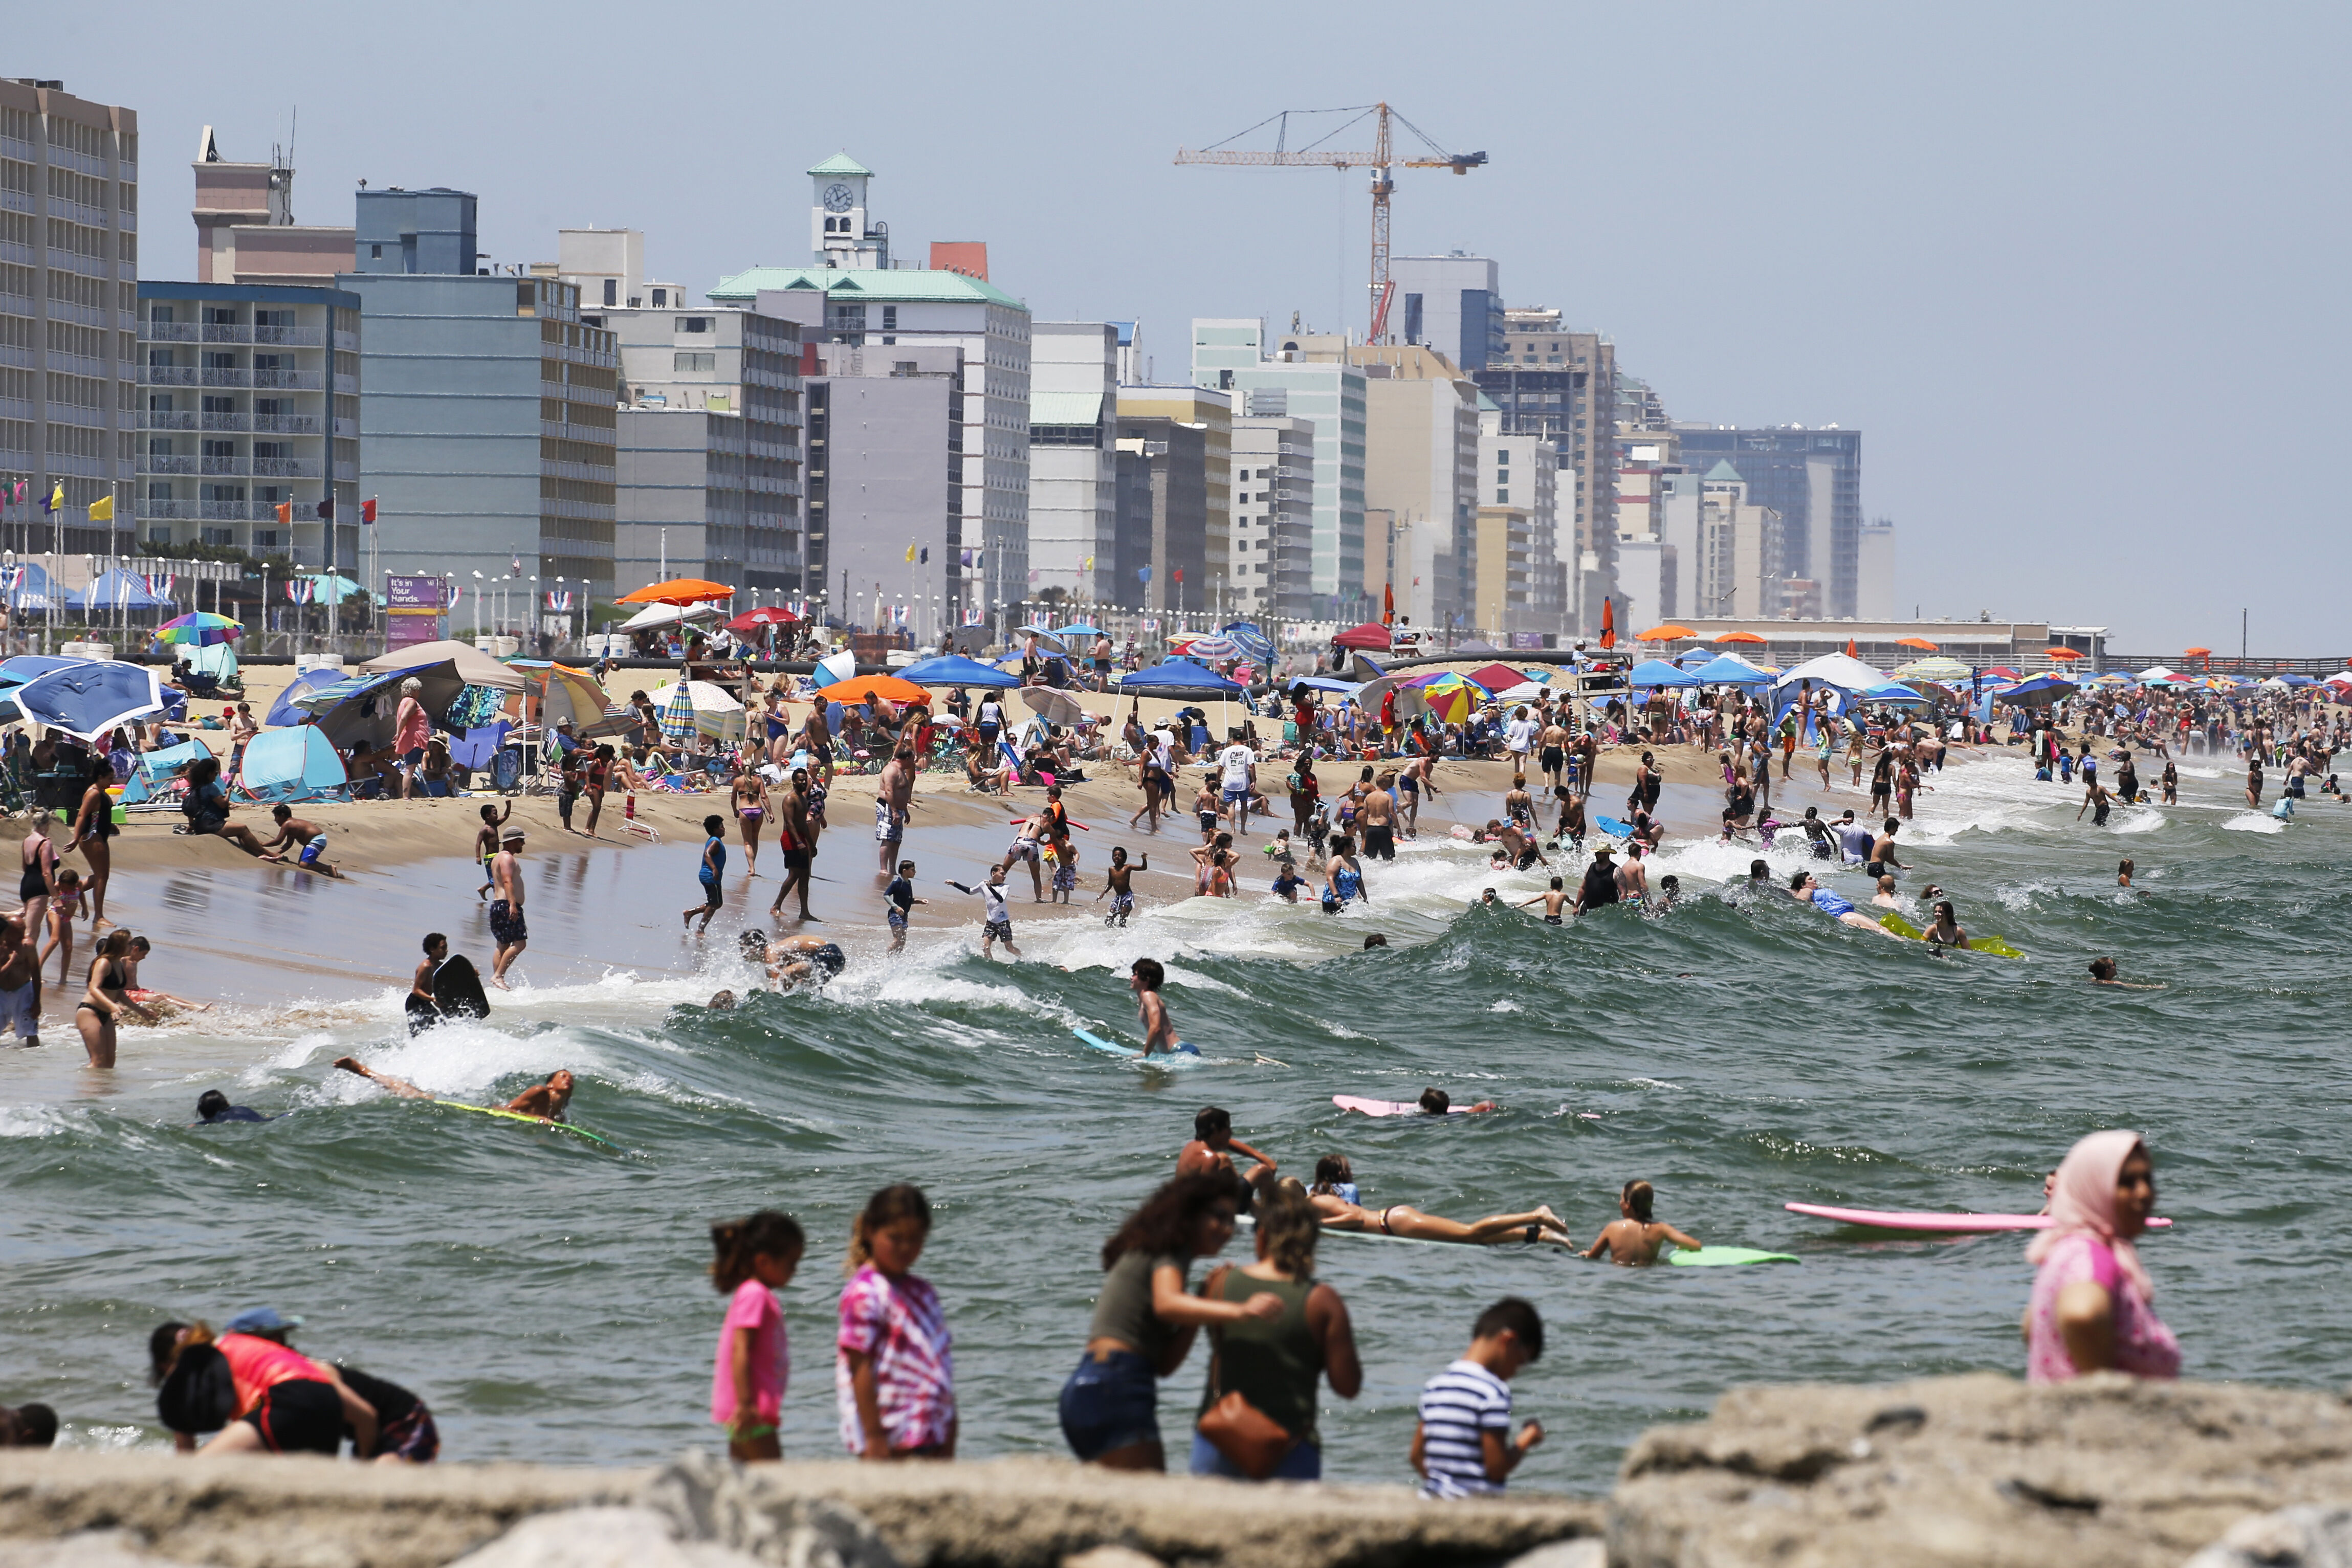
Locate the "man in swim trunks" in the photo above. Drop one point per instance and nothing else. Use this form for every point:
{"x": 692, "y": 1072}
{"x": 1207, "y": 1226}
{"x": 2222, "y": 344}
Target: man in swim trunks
{"x": 1599, "y": 885}
{"x": 1214, "y": 1148}
{"x": 796, "y": 832}
{"x": 1377, "y": 817}
{"x": 1553, "y": 901}
{"x": 1634, "y": 877}
{"x": 792, "y": 961}
{"x": 1882, "y": 851}
{"x": 1552, "y": 754}
{"x": 1805, "y": 890}
{"x": 546, "y": 1101}
{"x": 293, "y": 830}
{"x": 1024, "y": 848}
{"x": 507, "y": 924}
{"x": 894, "y": 804}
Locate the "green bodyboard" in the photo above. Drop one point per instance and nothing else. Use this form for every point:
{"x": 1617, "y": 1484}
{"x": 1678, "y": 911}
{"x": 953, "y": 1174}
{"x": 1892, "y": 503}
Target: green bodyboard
{"x": 504, "y": 1114}
{"x": 1992, "y": 944}
{"x": 1724, "y": 1257}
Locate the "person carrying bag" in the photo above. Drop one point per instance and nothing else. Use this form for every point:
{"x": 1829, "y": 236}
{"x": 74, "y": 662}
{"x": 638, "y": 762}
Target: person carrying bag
{"x": 1257, "y": 1418}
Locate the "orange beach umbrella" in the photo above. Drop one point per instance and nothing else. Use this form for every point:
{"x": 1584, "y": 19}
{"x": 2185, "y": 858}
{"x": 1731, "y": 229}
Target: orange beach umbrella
{"x": 885, "y": 688}
{"x": 1663, "y": 633}
{"x": 2196, "y": 652}
{"x": 1919, "y": 643}
{"x": 678, "y": 590}
{"x": 1739, "y": 637}
{"x": 2069, "y": 654}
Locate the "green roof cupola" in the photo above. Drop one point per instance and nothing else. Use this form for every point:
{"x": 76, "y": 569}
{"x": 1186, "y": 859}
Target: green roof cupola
{"x": 839, "y": 232}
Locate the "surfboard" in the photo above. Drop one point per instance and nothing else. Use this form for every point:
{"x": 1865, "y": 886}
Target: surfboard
{"x": 504, "y": 1114}
{"x": 1131, "y": 1053}
{"x": 1992, "y": 944}
{"x": 1941, "y": 1223}
{"x": 1726, "y": 1257}
{"x": 1389, "y": 1107}
{"x": 1612, "y": 826}
{"x": 457, "y": 989}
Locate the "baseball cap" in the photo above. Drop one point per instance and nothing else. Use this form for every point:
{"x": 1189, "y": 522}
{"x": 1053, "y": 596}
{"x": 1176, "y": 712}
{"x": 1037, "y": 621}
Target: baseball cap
{"x": 261, "y": 1319}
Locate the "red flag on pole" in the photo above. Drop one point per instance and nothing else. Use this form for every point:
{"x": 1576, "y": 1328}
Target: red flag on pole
{"x": 1609, "y": 623}
{"x": 1851, "y": 652}
{"x": 367, "y": 510}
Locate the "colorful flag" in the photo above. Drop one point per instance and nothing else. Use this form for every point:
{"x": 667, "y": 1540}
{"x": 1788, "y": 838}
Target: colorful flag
{"x": 927, "y": 555}
{"x": 159, "y": 583}
{"x": 516, "y": 565}
{"x": 910, "y": 551}
{"x": 286, "y": 512}
{"x": 102, "y": 510}
{"x": 300, "y": 590}
{"x": 57, "y": 501}
{"x": 367, "y": 510}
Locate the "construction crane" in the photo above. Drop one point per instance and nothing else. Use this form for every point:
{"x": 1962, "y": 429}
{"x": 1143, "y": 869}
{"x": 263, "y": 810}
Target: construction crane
{"x": 1319, "y": 154}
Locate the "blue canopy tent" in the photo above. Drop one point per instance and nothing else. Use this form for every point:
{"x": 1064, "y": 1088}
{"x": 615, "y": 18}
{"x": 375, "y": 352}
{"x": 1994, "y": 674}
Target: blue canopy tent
{"x": 1891, "y": 691}
{"x": 153, "y": 769}
{"x": 1658, "y": 673}
{"x": 1075, "y": 629}
{"x": 286, "y": 710}
{"x": 1177, "y": 677}
{"x": 299, "y": 764}
{"x": 36, "y": 591}
{"x": 1729, "y": 670}
{"x": 955, "y": 670}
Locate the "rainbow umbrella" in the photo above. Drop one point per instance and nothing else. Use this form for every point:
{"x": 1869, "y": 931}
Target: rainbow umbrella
{"x": 199, "y": 629}
{"x": 1449, "y": 695}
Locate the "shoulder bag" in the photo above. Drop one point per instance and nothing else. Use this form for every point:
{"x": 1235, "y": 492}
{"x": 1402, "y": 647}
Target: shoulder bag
{"x": 1254, "y": 1441}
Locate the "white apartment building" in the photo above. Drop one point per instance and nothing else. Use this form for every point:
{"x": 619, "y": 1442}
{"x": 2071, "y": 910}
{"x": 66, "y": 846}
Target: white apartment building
{"x": 1522, "y": 473}
{"x": 1274, "y": 517}
{"x": 1073, "y": 459}
{"x": 69, "y": 313}
{"x": 1732, "y": 536}
{"x": 869, "y": 304}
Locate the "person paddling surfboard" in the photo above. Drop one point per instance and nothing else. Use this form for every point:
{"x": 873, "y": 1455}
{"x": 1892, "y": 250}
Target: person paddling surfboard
{"x": 541, "y": 1102}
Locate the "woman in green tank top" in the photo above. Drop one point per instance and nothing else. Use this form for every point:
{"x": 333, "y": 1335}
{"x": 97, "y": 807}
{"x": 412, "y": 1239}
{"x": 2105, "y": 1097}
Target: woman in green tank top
{"x": 1276, "y": 1363}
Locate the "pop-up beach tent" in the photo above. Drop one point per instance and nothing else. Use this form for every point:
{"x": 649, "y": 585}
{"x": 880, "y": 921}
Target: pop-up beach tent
{"x": 153, "y": 769}
{"x": 297, "y": 764}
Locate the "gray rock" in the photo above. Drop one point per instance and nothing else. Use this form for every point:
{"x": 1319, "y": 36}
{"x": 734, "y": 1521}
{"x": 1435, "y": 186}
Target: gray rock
{"x": 601, "y": 1538}
{"x": 2307, "y": 1537}
{"x": 704, "y": 1497}
{"x": 1584, "y": 1553}
{"x": 1982, "y": 1471}
{"x": 1111, "y": 1557}
{"x": 89, "y": 1548}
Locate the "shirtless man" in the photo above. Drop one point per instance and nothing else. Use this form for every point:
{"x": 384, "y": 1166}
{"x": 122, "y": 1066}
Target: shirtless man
{"x": 1570, "y": 829}
{"x": 1886, "y": 897}
{"x": 544, "y": 1101}
{"x": 1145, "y": 977}
{"x": 1552, "y": 752}
{"x": 2103, "y": 973}
{"x": 798, "y": 832}
{"x": 1634, "y": 1239}
{"x": 507, "y": 924}
{"x": 295, "y": 832}
{"x": 1377, "y": 815}
{"x": 792, "y": 961}
{"x": 894, "y": 804}
{"x": 1882, "y": 851}
{"x": 1634, "y": 877}
{"x": 1554, "y": 900}
{"x": 1213, "y": 1147}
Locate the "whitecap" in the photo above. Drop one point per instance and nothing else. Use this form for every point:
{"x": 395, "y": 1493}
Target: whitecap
{"x": 2254, "y": 822}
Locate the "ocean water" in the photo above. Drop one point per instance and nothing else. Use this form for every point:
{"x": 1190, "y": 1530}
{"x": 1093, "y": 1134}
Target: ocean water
{"x": 547, "y": 1296}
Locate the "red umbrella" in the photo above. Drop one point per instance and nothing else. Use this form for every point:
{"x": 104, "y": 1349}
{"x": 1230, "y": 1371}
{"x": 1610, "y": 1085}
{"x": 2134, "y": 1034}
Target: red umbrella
{"x": 1498, "y": 677}
{"x": 752, "y": 619}
{"x": 1609, "y": 623}
{"x": 1370, "y": 634}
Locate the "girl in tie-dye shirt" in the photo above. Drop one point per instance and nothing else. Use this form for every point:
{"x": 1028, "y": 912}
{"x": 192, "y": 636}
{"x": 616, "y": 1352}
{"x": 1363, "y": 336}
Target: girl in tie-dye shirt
{"x": 894, "y": 1371}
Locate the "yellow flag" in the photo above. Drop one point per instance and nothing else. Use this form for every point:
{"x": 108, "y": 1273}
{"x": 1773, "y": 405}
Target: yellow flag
{"x": 58, "y": 498}
{"x": 911, "y": 552}
{"x": 1089, "y": 566}
{"x": 102, "y": 510}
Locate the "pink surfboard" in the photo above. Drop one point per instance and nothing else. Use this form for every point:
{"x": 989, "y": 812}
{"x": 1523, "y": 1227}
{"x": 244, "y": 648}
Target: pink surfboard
{"x": 1388, "y": 1107}
{"x": 1912, "y": 1219}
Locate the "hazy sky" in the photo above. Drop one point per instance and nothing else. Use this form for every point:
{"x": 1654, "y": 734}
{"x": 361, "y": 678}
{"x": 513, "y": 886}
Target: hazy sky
{"x": 2076, "y": 272}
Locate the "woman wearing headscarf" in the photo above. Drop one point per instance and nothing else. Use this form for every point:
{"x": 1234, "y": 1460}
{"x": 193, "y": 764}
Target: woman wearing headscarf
{"x": 2090, "y": 1309}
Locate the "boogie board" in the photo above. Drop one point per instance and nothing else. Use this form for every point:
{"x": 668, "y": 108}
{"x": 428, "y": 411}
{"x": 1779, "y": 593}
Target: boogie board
{"x": 1612, "y": 826}
{"x": 1389, "y": 1107}
{"x": 457, "y": 990}
{"x": 1112, "y": 1048}
{"x": 1944, "y": 1224}
{"x": 504, "y": 1114}
{"x": 1724, "y": 1257}
{"x": 1992, "y": 944}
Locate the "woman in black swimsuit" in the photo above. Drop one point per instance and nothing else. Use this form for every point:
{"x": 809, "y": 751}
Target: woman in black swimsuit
{"x": 106, "y": 998}
{"x": 93, "y": 825}
{"x": 38, "y": 882}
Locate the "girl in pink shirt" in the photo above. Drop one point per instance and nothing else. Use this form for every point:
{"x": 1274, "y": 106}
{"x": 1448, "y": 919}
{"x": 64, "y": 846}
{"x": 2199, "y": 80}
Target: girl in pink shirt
{"x": 2090, "y": 1309}
{"x": 753, "y": 1258}
{"x": 894, "y": 1371}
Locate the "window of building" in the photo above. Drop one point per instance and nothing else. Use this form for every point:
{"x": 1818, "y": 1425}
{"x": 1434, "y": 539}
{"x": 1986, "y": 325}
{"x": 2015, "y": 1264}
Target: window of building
{"x": 1503, "y": 497}
{"x": 683, "y": 364}
{"x": 612, "y": 291}
{"x": 661, "y": 297}
{"x": 694, "y": 323}
{"x": 265, "y": 538}
{"x": 889, "y": 317}
{"x": 375, "y": 253}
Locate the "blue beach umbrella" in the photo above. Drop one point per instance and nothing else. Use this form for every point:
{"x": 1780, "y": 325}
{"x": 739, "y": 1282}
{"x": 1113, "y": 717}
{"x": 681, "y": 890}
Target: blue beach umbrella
{"x": 92, "y": 698}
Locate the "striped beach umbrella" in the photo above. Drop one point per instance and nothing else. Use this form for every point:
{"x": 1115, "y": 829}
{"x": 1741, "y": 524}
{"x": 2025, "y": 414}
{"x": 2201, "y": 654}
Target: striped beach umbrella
{"x": 677, "y": 716}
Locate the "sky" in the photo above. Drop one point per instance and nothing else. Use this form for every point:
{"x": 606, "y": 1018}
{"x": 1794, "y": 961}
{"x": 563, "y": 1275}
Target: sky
{"x": 2068, "y": 268}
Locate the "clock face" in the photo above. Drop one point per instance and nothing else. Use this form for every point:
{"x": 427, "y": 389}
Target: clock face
{"x": 838, "y": 198}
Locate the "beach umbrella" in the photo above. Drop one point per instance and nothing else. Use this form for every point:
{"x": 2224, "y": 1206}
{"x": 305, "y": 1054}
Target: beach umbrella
{"x": 1739, "y": 637}
{"x": 2068, "y": 654}
{"x": 687, "y": 708}
{"x": 197, "y": 629}
{"x": 1370, "y": 634}
{"x": 1252, "y": 641}
{"x": 1667, "y": 634}
{"x": 654, "y": 616}
{"x": 752, "y": 619}
{"x": 1842, "y": 671}
{"x": 881, "y": 688}
{"x": 2000, "y": 673}
{"x": 1077, "y": 629}
{"x": 1053, "y": 706}
{"x": 1919, "y": 643}
{"x": 1940, "y": 670}
{"x": 90, "y": 698}
{"x": 1207, "y": 647}
{"x": 330, "y": 588}
{"x": 1496, "y": 677}
{"x": 2156, "y": 673}
{"x": 1448, "y": 696}
{"x": 677, "y": 590}
{"x": 474, "y": 667}
{"x": 1608, "y": 621}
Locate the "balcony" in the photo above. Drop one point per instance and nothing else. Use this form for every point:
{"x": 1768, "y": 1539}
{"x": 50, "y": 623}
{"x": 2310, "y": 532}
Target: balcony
{"x": 167, "y": 331}
{"x": 226, "y": 332}
{"x": 166, "y": 510}
{"x": 293, "y": 381}
{"x": 230, "y": 465}
{"x": 291, "y": 337}
{"x": 285, "y": 468}
{"x": 227, "y": 421}
{"x": 286, "y": 425}
{"x": 166, "y": 464}
{"x": 232, "y": 511}
{"x": 157, "y": 419}
{"x": 223, "y": 378}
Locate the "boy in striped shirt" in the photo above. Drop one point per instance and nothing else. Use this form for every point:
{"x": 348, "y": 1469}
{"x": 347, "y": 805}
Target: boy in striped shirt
{"x": 1462, "y": 1447}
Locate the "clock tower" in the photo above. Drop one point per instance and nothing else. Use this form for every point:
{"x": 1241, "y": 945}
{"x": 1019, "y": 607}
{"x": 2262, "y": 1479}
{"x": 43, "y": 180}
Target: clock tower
{"x": 839, "y": 231}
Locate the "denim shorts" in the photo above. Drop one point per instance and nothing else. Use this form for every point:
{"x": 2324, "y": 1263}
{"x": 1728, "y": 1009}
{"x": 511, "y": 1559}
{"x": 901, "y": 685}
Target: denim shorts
{"x": 1303, "y": 1463}
{"x": 1110, "y": 1404}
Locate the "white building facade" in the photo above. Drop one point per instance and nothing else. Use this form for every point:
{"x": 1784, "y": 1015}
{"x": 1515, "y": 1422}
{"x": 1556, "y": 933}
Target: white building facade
{"x": 1073, "y": 459}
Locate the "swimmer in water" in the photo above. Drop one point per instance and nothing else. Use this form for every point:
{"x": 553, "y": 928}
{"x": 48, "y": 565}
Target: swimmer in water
{"x": 1946, "y": 932}
{"x": 1438, "y": 1103}
{"x": 541, "y": 1102}
{"x": 1554, "y": 900}
{"x": 2123, "y": 874}
{"x": 1805, "y": 890}
{"x": 1342, "y": 1213}
{"x": 795, "y": 960}
{"x": 2103, "y": 973}
{"x": 1214, "y": 1148}
{"x": 1144, "y": 977}
{"x": 1633, "y": 1239}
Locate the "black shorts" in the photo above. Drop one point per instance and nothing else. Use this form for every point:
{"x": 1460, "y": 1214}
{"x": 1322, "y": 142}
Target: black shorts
{"x": 300, "y": 1416}
{"x": 1380, "y": 843}
{"x": 796, "y": 860}
{"x": 996, "y": 931}
{"x": 506, "y": 924}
